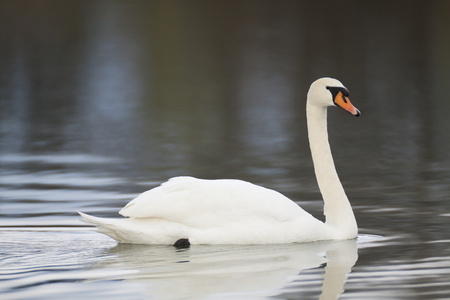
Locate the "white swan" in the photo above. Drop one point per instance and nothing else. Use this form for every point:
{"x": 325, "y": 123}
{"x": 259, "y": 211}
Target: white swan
{"x": 187, "y": 210}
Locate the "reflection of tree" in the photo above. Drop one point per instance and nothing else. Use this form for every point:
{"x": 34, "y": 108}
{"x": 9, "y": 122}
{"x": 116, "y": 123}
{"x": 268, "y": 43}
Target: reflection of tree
{"x": 193, "y": 84}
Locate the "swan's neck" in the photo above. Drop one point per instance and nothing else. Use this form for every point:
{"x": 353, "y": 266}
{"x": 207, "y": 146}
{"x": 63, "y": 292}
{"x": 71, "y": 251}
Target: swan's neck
{"x": 337, "y": 209}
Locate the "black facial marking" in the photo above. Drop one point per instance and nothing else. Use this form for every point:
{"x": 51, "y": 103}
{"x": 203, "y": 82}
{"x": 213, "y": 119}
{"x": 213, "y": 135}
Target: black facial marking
{"x": 345, "y": 92}
{"x": 335, "y": 91}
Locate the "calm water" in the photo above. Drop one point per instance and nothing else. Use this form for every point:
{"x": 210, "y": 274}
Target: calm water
{"x": 102, "y": 100}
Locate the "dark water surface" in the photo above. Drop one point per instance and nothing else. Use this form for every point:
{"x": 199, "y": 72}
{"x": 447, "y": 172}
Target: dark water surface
{"x": 102, "y": 100}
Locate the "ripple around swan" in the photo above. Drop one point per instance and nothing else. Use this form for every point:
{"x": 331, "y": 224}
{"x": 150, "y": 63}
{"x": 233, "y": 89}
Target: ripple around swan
{"x": 80, "y": 262}
{"x": 47, "y": 190}
{"x": 47, "y": 252}
{"x": 57, "y": 258}
{"x": 425, "y": 279}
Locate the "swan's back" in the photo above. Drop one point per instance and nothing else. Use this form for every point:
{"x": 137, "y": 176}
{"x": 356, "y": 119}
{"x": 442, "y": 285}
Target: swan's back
{"x": 204, "y": 203}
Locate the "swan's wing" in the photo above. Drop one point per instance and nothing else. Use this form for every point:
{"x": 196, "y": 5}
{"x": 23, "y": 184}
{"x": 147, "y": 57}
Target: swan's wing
{"x": 200, "y": 203}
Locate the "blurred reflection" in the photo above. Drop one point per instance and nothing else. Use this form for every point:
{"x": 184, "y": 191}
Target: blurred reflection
{"x": 237, "y": 271}
{"x": 184, "y": 85}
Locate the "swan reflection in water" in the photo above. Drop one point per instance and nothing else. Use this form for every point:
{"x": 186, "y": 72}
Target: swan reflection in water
{"x": 234, "y": 271}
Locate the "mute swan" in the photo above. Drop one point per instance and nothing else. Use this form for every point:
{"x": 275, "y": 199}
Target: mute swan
{"x": 186, "y": 210}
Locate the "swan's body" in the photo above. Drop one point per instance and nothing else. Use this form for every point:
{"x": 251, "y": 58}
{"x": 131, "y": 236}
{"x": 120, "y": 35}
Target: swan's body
{"x": 229, "y": 211}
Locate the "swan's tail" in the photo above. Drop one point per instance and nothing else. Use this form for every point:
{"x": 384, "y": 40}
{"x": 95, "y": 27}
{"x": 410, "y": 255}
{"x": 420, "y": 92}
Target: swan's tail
{"x": 110, "y": 227}
{"x": 139, "y": 231}
{"x": 91, "y": 219}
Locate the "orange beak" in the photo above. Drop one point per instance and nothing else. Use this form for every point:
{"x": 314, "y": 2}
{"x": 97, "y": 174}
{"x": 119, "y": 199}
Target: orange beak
{"x": 345, "y": 103}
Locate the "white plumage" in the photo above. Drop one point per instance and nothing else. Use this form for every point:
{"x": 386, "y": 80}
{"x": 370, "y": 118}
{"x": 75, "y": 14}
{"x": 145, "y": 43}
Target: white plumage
{"x": 228, "y": 211}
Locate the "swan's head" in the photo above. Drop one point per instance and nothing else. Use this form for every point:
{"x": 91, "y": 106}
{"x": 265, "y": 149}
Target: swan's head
{"x": 331, "y": 92}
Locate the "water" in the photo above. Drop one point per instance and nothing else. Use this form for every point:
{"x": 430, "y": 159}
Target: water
{"x": 100, "y": 101}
